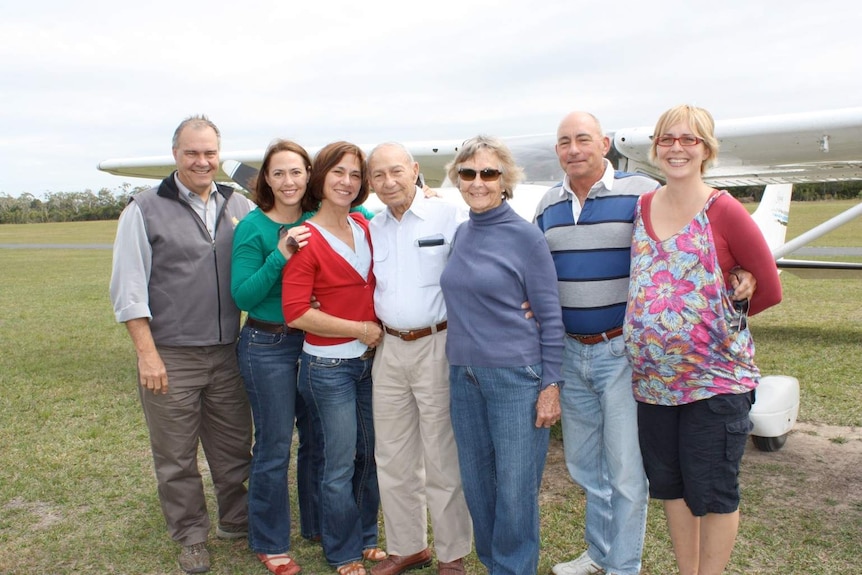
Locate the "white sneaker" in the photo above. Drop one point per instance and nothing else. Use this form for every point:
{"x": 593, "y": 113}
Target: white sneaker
{"x": 583, "y": 565}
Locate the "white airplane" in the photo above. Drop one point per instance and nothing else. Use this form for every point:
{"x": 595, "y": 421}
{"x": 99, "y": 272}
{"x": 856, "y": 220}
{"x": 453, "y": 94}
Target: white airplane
{"x": 772, "y": 150}
{"x": 776, "y": 151}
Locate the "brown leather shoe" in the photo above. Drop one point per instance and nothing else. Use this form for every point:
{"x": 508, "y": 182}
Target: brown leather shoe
{"x": 455, "y": 567}
{"x": 396, "y": 564}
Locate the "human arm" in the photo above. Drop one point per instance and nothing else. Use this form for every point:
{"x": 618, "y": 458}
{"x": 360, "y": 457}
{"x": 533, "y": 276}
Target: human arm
{"x": 132, "y": 262}
{"x": 298, "y": 283}
{"x": 540, "y": 285}
{"x": 740, "y": 243}
{"x": 151, "y": 369}
{"x": 257, "y": 260}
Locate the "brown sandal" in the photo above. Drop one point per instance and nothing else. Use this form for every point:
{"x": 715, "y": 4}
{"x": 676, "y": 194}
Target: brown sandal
{"x": 374, "y": 554}
{"x": 289, "y": 568}
{"x": 355, "y": 568}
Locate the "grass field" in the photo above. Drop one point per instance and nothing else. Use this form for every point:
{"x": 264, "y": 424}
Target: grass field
{"x": 77, "y": 492}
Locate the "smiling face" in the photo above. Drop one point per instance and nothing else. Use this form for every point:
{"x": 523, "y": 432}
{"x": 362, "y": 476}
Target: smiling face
{"x": 677, "y": 161}
{"x": 480, "y": 195}
{"x": 343, "y": 181}
{"x": 287, "y": 176}
{"x": 197, "y": 158}
{"x": 581, "y": 148}
{"x": 393, "y": 178}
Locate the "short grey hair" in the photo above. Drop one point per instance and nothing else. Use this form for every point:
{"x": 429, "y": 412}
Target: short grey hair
{"x": 512, "y": 173}
{"x": 197, "y": 121}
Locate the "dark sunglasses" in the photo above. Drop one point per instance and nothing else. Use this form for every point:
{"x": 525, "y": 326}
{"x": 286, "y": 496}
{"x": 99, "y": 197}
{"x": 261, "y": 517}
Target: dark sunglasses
{"x": 487, "y": 175}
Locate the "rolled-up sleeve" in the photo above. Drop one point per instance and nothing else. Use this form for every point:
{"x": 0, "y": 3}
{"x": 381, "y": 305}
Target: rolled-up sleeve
{"x": 132, "y": 263}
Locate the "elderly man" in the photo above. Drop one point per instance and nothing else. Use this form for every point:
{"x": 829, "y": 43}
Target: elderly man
{"x": 587, "y": 220}
{"x": 417, "y": 460}
{"x": 170, "y": 285}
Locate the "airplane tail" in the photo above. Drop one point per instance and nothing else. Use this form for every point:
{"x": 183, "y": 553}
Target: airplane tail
{"x": 772, "y": 214}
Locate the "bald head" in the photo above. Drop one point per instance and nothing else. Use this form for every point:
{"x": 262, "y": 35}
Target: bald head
{"x": 583, "y": 120}
{"x": 393, "y": 173}
{"x": 581, "y": 148}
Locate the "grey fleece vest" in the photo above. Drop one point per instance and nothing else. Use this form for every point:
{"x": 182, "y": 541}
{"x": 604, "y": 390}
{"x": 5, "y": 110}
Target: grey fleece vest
{"x": 189, "y": 287}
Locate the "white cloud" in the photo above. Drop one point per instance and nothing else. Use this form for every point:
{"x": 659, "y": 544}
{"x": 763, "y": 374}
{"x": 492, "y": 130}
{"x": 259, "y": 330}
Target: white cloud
{"x": 91, "y": 80}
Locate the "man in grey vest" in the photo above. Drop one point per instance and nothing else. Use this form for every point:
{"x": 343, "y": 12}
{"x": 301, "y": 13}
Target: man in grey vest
{"x": 170, "y": 285}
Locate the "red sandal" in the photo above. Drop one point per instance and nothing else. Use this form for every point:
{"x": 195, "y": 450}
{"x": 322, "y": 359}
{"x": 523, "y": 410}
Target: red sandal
{"x": 289, "y": 568}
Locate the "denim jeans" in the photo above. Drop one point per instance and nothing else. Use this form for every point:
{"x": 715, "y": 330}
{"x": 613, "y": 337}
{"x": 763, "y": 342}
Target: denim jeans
{"x": 309, "y": 464}
{"x": 600, "y": 437}
{"x": 338, "y": 393}
{"x": 268, "y": 364}
{"x": 501, "y": 454}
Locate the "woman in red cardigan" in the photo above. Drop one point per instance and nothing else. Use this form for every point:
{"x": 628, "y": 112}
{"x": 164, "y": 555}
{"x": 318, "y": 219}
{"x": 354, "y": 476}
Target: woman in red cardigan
{"x": 335, "y": 365}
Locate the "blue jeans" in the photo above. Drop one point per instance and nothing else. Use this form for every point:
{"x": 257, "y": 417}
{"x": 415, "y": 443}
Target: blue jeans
{"x": 268, "y": 364}
{"x": 600, "y": 436}
{"x": 338, "y": 393}
{"x": 309, "y": 464}
{"x": 501, "y": 454}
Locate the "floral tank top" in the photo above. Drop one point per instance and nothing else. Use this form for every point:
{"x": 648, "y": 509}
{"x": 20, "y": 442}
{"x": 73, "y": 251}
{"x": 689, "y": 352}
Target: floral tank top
{"x": 684, "y": 338}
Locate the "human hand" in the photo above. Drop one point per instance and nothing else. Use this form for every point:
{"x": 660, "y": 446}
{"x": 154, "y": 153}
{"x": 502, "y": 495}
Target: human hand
{"x": 743, "y": 284}
{"x": 548, "y": 407}
{"x": 372, "y": 334}
{"x": 152, "y": 373}
{"x": 292, "y": 240}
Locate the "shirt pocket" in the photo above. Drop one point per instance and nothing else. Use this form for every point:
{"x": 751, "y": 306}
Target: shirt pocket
{"x": 432, "y": 260}
{"x": 381, "y": 263}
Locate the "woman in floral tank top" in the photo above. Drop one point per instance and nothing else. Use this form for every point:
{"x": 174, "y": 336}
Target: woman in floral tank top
{"x": 688, "y": 341}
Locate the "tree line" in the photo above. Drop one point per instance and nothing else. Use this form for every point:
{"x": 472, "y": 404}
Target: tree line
{"x": 107, "y": 204}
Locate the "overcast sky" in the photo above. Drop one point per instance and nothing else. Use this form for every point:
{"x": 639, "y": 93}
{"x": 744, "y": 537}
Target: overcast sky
{"x": 91, "y": 80}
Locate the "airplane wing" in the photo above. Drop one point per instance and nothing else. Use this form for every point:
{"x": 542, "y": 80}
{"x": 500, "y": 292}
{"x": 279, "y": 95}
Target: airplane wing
{"x": 432, "y": 156}
{"x": 769, "y": 150}
{"x": 791, "y": 148}
{"x": 786, "y": 149}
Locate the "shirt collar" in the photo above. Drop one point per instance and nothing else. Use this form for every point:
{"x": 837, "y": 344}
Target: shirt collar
{"x": 189, "y": 195}
{"x": 417, "y": 207}
{"x": 606, "y": 181}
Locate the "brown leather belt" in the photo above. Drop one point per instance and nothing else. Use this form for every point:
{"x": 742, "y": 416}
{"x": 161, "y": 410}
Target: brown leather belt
{"x": 414, "y": 334}
{"x": 597, "y": 338}
{"x": 270, "y": 327}
{"x": 369, "y": 353}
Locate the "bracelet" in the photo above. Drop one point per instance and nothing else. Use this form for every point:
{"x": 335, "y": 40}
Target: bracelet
{"x": 365, "y": 331}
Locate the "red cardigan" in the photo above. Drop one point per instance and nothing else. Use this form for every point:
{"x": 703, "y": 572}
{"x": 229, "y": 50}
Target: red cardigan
{"x": 317, "y": 269}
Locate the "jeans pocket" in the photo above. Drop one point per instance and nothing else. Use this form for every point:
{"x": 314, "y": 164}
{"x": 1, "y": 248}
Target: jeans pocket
{"x": 260, "y": 338}
{"x": 617, "y": 346}
{"x": 325, "y": 362}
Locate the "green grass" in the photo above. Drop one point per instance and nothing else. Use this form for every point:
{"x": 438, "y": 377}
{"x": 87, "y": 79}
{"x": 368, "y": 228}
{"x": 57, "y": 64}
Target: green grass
{"x": 77, "y": 491}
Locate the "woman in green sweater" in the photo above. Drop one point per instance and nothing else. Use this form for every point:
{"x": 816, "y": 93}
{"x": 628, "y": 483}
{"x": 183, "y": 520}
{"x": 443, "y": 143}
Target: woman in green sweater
{"x": 268, "y": 351}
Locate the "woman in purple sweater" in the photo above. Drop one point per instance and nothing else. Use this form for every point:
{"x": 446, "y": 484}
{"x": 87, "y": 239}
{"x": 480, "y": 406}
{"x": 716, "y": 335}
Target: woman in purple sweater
{"x": 505, "y": 370}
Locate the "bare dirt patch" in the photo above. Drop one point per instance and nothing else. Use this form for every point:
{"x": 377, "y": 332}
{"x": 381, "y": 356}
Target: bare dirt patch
{"x": 819, "y": 465}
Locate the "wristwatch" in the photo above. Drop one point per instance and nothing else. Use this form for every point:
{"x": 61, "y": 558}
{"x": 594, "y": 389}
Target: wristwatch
{"x": 555, "y": 384}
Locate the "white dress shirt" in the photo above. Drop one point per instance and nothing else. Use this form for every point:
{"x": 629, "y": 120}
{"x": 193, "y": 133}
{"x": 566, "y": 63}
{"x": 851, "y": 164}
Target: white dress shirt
{"x": 409, "y": 256}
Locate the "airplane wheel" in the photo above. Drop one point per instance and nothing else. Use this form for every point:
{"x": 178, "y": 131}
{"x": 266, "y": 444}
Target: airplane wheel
{"x": 769, "y": 443}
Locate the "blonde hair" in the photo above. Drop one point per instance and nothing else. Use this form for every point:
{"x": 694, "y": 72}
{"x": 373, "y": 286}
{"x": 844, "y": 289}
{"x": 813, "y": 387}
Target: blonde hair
{"x": 701, "y": 123}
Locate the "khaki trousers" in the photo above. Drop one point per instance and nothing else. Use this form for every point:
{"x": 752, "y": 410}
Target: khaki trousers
{"x": 206, "y": 402}
{"x": 417, "y": 460}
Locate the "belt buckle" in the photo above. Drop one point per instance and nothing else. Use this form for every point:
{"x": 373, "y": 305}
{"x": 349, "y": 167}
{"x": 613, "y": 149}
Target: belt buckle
{"x": 404, "y": 334}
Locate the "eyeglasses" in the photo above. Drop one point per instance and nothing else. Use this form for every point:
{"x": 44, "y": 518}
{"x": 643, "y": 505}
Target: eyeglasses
{"x": 667, "y": 141}
{"x": 741, "y": 308}
{"x": 487, "y": 175}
